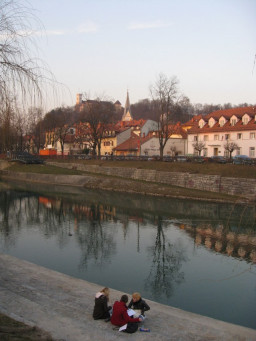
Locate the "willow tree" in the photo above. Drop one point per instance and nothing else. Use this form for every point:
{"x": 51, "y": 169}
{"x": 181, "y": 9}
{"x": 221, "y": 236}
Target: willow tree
{"x": 22, "y": 74}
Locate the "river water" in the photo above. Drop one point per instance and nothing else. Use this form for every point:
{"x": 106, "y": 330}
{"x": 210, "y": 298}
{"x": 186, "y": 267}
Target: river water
{"x": 197, "y": 256}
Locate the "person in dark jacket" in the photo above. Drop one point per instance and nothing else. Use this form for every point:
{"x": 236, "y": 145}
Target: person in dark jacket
{"x": 101, "y": 309}
{"x": 138, "y": 304}
{"x": 120, "y": 316}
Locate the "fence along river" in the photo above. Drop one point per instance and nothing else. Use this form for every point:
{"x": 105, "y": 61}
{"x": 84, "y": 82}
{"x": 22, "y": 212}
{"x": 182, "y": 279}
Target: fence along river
{"x": 196, "y": 256}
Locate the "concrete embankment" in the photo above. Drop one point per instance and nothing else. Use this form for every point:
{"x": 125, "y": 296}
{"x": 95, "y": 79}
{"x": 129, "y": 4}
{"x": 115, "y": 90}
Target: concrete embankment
{"x": 63, "y": 305}
{"x": 117, "y": 184}
{"x": 212, "y": 183}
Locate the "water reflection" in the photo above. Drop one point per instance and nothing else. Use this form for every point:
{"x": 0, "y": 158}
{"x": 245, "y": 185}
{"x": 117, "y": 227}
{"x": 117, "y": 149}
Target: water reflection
{"x": 166, "y": 265}
{"x": 95, "y": 241}
{"x": 55, "y": 215}
{"x": 239, "y": 244}
{"x": 161, "y": 247}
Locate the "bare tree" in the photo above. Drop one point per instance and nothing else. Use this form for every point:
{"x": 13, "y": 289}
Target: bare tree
{"x": 35, "y": 118}
{"x": 21, "y": 75}
{"x": 199, "y": 146}
{"x": 164, "y": 93}
{"x": 173, "y": 150}
{"x": 7, "y": 133}
{"x": 230, "y": 147}
{"x": 59, "y": 121}
{"x": 98, "y": 114}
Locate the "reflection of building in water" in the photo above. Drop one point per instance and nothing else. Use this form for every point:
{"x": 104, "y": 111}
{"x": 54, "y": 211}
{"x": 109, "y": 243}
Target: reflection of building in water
{"x": 90, "y": 211}
{"x": 238, "y": 245}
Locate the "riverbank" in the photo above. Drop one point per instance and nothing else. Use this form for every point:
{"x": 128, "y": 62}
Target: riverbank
{"x": 62, "y": 306}
{"x": 138, "y": 182}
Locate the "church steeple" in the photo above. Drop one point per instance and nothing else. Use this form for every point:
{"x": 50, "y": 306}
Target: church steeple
{"x": 127, "y": 115}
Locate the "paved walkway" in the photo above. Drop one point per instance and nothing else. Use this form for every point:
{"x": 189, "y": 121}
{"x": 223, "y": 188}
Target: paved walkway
{"x": 62, "y": 305}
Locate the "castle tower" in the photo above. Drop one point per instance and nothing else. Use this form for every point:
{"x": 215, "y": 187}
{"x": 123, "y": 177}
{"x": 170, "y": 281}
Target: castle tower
{"x": 78, "y": 99}
{"x": 127, "y": 115}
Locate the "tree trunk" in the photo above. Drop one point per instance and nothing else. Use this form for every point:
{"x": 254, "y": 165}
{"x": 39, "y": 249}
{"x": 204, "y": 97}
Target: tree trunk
{"x": 161, "y": 149}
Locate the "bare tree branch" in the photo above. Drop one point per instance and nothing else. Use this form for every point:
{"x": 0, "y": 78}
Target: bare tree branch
{"x": 164, "y": 93}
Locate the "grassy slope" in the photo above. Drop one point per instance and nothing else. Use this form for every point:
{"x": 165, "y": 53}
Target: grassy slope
{"x": 225, "y": 170}
{"x": 113, "y": 183}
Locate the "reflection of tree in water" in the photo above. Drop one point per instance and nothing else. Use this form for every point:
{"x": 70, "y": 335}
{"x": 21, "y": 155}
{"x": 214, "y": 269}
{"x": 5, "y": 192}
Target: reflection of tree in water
{"x": 22, "y": 210}
{"x": 96, "y": 241}
{"x": 6, "y": 226}
{"x": 166, "y": 265}
{"x": 55, "y": 218}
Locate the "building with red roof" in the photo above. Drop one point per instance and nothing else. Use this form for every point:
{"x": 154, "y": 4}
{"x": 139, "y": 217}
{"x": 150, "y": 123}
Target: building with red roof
{"x": 220, "y": 128}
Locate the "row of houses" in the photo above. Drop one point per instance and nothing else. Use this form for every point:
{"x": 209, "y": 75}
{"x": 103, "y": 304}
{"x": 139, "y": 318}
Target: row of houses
{"x": 131, "y": 137}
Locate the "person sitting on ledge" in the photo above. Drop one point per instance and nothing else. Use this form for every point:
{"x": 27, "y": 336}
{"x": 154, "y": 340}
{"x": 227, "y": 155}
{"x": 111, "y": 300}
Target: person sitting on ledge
{"x": 120, "y": 316}
{"x": 138, "y": 304}
{"x": 101, "y": 309}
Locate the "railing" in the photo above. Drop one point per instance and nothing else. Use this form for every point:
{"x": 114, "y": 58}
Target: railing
{"x": 26, "y": 157}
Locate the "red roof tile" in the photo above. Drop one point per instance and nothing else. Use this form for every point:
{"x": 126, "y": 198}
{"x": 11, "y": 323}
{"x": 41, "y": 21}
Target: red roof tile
{"x": 239, "y": 126}
{"x": 131, "y": 144}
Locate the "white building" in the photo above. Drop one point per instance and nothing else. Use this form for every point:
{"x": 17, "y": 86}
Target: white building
{"x": 215, "y": 130}
{"x": 175, "y": 145}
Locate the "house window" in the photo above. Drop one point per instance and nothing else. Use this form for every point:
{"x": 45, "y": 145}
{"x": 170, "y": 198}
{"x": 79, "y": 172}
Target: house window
{"x": 216, "y": 137}
{"x": 252, "y": 151}
{"x": 201, "y": 123}
{"x": 226, "y": 136}
{"x": 211, "y": 122}
{"x": 238, "y": 151}
{"x": 206, "y": 137}
{"x": 239, "y": 136}
{"x": 205, "y": 151}
{"x": 195, "y": 138}
{"x": 252, "y": 136}
{"x": 222, "y": 123}
{"x": 233, "y": 121}
{"x": 245, "y": 120}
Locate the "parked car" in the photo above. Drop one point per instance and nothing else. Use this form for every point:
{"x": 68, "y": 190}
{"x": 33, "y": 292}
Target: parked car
{"x": 168, "y": 159}
{"x": 199, "y": 159}
{"x": 181, "y": 158}
{"x": 219, "y": 159}
{"x": 242, "y": 160}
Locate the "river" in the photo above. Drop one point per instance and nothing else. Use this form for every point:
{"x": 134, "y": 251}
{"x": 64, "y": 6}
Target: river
{"x": 197, "y": 256}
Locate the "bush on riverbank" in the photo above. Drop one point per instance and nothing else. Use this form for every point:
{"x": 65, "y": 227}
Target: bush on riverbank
{"x": 14, "y": 330}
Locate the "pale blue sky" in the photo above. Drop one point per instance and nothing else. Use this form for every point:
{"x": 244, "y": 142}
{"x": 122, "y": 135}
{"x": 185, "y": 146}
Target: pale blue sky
{"x": 106, "y": 46}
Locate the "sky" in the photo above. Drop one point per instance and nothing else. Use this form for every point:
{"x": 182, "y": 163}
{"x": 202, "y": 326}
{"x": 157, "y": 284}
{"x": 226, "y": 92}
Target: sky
{"x": 106, "y": 47}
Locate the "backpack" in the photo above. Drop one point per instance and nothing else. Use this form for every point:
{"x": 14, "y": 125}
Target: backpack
{"x": 132, "y": 327}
